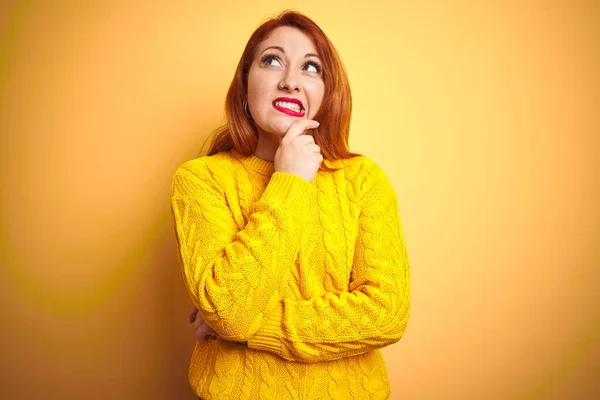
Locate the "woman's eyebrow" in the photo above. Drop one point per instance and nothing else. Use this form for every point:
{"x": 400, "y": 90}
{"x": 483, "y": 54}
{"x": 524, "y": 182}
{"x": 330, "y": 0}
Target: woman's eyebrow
{"x": 283, "y": 51}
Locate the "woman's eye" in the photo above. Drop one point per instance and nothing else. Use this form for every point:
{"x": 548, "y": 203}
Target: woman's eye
{"x": 268, "y": 60}
{"x": 315, "y": 67}
{"x": 272, "y": 60}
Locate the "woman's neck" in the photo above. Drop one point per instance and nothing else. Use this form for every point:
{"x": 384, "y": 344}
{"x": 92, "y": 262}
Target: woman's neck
{"x": 268, "y": 144}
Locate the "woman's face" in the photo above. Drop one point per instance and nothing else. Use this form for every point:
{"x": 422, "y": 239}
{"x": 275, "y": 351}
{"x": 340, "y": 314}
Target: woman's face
{"x": 285, "y": 81}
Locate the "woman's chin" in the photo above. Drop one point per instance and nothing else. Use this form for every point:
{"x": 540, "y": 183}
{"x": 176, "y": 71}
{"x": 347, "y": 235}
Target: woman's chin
{"x": 280, "y": 125}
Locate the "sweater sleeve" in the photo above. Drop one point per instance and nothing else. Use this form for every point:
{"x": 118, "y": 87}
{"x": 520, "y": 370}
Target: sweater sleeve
{"x": 232, "y": 271}
{"x": 373, "y": 313}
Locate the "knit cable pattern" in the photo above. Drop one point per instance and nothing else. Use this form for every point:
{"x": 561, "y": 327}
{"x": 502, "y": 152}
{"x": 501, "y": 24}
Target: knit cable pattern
{"x": 371, "y": 313}
{"x": 314, "y": 276}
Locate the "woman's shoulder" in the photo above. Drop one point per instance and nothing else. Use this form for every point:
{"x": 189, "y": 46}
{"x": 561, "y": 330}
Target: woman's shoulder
{"x": 366, "y": 175}
{"x": 358, "y": 167}
{"x": 211, "y": 164}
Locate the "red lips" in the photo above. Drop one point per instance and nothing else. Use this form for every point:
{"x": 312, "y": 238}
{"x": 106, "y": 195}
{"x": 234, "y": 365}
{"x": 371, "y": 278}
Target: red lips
{"x": 289, "y": 100}
{"x": 287, "y": 111}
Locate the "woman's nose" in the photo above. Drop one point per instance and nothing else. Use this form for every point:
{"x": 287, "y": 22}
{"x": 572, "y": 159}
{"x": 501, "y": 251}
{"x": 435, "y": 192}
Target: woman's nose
{"x": 289, "y": 82}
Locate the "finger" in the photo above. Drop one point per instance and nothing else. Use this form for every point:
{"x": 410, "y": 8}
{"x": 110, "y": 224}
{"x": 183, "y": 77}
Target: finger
{"x": 200, "y": 333}
{"x": 193, "y": 314}
{"x": 207, "y": 338}
{"x": 299, "y": 127}
{"x": 316, "y": 148}
{"x": 204, "y": 332}
{"x": 198, "y": 323}
{"x": 211, "y": 331}
{"x": 304, "y": 139}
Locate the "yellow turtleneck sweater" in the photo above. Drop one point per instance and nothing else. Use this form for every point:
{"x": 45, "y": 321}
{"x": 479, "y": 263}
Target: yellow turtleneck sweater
{"x": 313, "y": 276}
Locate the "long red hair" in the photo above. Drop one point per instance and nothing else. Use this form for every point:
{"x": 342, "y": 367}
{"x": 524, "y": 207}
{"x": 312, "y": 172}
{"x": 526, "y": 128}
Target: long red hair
{"x": 240, "y": 133}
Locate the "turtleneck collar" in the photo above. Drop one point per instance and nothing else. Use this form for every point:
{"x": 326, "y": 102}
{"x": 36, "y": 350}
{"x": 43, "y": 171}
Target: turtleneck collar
{"x": 255, "y": 163}
{"x": 264, "y": 167}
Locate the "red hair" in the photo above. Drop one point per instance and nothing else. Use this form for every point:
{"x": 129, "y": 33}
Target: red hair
{"x": 240, "y": 133}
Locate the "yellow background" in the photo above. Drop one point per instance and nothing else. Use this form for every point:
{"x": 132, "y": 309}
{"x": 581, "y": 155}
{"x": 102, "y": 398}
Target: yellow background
{"x": 484, "y": 115}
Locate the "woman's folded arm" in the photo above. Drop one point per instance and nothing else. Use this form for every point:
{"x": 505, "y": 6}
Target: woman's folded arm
{"x": 373, "y": 313}
{"x": 232, "y": 272}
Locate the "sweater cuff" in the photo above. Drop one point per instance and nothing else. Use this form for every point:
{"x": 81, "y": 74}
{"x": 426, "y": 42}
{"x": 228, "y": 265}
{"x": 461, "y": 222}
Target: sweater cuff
{"x": 287, "y": 189}
{"x": 268, "y": 336}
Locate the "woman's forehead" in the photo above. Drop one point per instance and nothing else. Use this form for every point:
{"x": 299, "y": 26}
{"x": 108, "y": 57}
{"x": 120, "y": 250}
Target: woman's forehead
{"x": 289, "y": 39}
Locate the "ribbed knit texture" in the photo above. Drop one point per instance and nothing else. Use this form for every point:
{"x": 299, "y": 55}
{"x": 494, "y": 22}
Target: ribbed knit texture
{"x": 314, "y": 276}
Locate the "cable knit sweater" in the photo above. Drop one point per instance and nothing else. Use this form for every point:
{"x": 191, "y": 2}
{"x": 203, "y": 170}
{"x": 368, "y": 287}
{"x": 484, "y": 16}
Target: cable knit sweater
{"x": 314, "y": 277}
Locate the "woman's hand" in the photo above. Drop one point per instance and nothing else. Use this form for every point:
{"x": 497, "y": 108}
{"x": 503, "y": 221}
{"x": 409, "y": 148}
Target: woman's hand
{"x": 204, "y": 332}
{"x": 298, "y": 153}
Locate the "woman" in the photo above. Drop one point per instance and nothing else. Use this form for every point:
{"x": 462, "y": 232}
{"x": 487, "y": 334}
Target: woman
{"x": 290, "y": 245}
